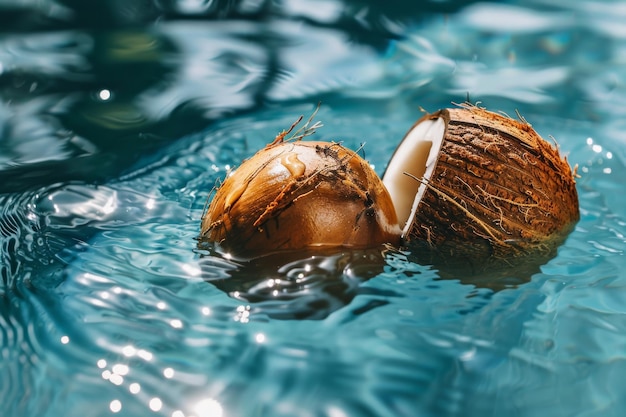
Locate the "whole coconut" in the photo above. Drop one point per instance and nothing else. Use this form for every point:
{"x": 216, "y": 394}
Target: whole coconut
{"x": 300, "y": 194}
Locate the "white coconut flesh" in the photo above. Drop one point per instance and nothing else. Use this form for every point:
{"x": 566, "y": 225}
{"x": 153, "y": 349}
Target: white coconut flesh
{"x": 416, "y": 155}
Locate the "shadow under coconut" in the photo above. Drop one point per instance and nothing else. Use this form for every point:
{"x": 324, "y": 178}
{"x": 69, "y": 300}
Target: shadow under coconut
{"x": 311, "y": 284}
{"x": 480, "y": 264}
{"x": 303, "y": 284}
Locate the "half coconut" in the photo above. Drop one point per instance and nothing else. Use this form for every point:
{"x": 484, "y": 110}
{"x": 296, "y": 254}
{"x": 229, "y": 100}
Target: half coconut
{"x": 471, "y": 186}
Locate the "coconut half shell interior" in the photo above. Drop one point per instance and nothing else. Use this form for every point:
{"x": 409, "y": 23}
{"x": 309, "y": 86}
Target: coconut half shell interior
{"x": 415, "y": 158}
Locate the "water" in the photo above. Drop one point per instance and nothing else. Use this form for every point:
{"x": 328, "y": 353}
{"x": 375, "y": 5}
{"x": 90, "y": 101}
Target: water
{"x": 117, "y": 119}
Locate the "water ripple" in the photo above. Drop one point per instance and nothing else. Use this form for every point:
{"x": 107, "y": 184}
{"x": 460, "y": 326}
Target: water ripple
{"x": 108, "y": 304}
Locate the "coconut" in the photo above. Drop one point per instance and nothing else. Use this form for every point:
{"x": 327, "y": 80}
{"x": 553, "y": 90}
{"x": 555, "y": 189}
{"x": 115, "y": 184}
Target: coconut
{"x": 470, "y": 186}
{"x": 298, "y": 194}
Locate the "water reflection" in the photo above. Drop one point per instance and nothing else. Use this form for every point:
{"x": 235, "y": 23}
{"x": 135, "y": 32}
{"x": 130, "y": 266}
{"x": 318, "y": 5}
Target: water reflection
{"x": 303, "y": 284}
{"x": 110, "y": 99}
{"x": 104, "y": 92}
{"x": 477, "y": 266}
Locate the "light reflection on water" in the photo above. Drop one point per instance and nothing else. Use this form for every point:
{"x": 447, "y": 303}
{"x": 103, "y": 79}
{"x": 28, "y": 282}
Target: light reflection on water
{"x": 108, "y": 305}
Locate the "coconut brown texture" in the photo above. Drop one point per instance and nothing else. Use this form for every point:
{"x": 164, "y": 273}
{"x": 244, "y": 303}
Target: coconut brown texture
{"x": 294, "y": 195}
{"x": 498, "y": 191}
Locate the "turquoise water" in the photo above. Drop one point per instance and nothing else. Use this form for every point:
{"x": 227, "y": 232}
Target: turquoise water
{"x": 116, "y": 120}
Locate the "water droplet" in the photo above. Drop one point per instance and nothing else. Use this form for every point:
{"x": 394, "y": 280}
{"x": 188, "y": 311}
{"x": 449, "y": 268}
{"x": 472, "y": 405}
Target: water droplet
{"x": 144, "y": 354}
{"x": 168, "y": 373}
{"x": 208, "y": 408}
{"x": 116, "y": 379}
{"x": 155, "y": 404}
{"x": 134, "y": 388}
{"x": 115, "y": 406}
{"x": 129, "y": 351}
{"x": 120, "y": 369}
{"x": 104, "y": 94}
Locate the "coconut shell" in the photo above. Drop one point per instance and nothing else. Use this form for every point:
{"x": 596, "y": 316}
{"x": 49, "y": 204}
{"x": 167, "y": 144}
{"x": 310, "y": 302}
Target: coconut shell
{"x": 300, "y": 194}
{"x": 498, "y": 190}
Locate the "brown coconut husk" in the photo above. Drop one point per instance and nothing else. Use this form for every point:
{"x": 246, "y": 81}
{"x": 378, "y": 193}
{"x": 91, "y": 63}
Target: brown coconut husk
{"x": 296, "y": 194}
{"x": 500, "y": 196}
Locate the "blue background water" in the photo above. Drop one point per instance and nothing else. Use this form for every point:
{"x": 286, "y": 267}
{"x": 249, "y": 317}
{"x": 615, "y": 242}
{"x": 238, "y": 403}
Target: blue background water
{"x": 116, "y": 119}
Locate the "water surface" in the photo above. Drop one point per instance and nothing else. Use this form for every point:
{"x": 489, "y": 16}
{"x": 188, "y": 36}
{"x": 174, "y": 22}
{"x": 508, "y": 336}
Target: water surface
{"x": 117, "y": 119}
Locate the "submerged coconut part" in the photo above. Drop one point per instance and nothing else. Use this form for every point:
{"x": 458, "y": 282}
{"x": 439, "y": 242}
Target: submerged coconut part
{"x": 301, "y": 284}
{"x": 475, "y": 184}
{"x": 300, "y": 194}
